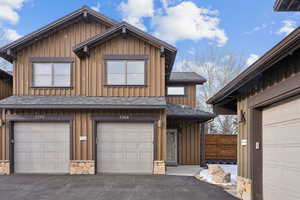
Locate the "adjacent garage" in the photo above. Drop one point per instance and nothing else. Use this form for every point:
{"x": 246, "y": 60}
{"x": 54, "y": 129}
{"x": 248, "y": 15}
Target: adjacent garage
{"x": 281, "y": 150}
{"x": 125, "y": 147}
{"x": 41, "y": 147}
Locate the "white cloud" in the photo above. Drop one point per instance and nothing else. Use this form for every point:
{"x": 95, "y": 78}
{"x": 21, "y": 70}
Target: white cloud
{"x": 135, "y": 10}
{"x": 8, "y": 10}
{"x": 187, "y": 21}
{"x": 96, "y": 7}
{"x": 288, "y": 27}
{"x": 11, "y": 35}
{"x": 252, "y": 58}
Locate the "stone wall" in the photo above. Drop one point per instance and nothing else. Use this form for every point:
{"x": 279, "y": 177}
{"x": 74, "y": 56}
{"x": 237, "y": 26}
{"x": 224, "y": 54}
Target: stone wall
{"x": 4, "y": 167}
{"x": 244, "y": 188}
{"x": 159, "y": 167}
{"x": 82, "y": 167}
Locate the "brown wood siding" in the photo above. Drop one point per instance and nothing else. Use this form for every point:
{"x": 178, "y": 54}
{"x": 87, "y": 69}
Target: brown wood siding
{"x": 57, "y": 44}
{"x": 88, "y": 73}
{"x": 288, "y": 67}
{"x": 95, "y": 68}
{"x": 189, "y": 99}
{"x": 220, "y": 147}
{"x": 188, "y": 141}
{"x": 82, "y": 126}
{"x": 6, "y": 88}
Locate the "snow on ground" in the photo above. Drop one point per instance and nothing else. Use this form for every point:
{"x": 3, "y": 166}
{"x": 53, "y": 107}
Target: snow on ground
{"x": 232, "y": 169}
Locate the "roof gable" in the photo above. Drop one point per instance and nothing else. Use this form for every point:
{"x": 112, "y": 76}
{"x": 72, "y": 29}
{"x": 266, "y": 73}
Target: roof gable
{"x": 284, "y": 48}
{"x": 124, "y": 28}
{"x": 7, "y": 52}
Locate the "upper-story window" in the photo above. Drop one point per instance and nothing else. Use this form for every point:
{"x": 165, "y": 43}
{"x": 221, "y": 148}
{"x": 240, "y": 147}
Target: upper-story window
{"x": 51, "y": 75}
{"x": 176, "y": 91}
{"x": 125, "y": 72}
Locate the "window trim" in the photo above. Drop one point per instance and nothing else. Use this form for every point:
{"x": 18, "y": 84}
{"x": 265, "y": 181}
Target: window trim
{"x": 144, "y": 58}
{"x": 177, "y": 95}
{"x": 51, "y": 60}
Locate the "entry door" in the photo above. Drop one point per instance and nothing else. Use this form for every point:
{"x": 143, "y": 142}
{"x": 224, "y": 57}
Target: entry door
{"x": 281, "y": 152}
{"x": 125, "y": 148}
{"x": 41, "y": 147}
{"x": 172, "y": 147}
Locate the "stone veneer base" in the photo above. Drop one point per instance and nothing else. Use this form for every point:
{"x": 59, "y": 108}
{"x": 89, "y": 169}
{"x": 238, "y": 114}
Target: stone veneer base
{"x": 159, "y": 167}
{"x": 82, "y": 167}
{"x": 4, "y": 167}
{"x": 244, "y": 188}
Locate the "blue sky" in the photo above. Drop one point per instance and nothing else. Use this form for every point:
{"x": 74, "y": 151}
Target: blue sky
{"x": 247, "y": 27}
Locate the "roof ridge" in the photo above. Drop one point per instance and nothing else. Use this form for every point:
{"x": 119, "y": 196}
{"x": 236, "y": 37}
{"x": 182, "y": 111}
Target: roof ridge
{"x": 58, "y": 22}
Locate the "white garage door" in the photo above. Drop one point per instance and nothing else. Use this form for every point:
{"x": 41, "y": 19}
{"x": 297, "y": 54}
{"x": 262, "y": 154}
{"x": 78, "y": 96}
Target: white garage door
{"x": 41, "y": 147}
{"x": 281, "y": 152}
{"x": 125, "y": 148}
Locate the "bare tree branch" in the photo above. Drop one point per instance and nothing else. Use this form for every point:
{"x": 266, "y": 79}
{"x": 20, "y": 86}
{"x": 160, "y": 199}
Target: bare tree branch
{"x": 218, "y": 67}
{"x": 3, "y": 63}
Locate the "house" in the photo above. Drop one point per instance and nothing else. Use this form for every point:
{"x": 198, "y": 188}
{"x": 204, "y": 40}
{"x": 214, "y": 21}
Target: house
{"x": 266, "y": 99}
{"x": 287, "y": 5}
{"x": 6, "y": 84}
{"x": 92, "y": 95}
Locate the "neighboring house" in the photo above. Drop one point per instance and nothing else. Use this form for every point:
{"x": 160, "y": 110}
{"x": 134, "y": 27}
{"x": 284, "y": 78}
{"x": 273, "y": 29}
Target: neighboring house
{"x": 287, "y": 5}
{"x": 6, "y": 84}
{"x": 90, "y": 96}
{"x": 266, "y": 98}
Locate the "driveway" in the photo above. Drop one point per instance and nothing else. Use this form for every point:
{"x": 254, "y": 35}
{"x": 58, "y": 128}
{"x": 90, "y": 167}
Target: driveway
{"x": 106, "y": 187}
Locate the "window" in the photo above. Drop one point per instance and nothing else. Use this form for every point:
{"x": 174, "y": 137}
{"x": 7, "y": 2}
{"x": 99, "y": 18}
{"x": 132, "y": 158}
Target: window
{"x": 125, "y": 72}
{"x": 51, "y": 75}
{"x": 176, "y": 91}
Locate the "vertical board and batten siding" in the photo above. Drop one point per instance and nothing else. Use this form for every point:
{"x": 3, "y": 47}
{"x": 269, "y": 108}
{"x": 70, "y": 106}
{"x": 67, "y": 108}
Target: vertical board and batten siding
{"x": 88, "y": 73}
{"x": 82, "y": 126}
{"x": 243, "y": 152}
{"x": 282, "y": 70}
{"x": 6, "y": 88}
{"x": 189, "y": 99}
{"x": 188, "y": 134}
{"x": 58, "y": 44}
{"x": 95, "y": 68}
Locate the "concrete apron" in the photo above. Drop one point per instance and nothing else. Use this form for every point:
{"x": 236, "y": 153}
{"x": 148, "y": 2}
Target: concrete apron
{"x": 183, "y": 170}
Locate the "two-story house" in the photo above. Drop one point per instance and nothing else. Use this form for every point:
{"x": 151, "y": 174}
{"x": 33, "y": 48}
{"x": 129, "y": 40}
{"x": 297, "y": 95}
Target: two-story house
{"x": 91, "y": 95}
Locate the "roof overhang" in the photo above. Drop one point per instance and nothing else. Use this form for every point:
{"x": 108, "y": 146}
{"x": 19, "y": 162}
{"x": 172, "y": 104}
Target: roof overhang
{"x": 229, "y": 94}
{"x": 8, "y": 51}
{"x": 82, "y": 102}
{"x": 188, "y": 113}
{"x": 123, "y": 28}
{"x": 287, "y": 5}
{"x": 5, "y": 75}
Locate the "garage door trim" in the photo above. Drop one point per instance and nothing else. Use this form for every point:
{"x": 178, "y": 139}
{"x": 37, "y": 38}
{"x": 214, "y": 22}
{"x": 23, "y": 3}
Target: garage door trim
{"x": 36, "y": 118}
{"x": 123, "y": 118}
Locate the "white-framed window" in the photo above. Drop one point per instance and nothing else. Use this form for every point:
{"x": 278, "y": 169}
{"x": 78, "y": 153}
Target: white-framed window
{"x": 125, "y": 72}
{"x": 176, "y": 91}
{"x": 51, "y": 75}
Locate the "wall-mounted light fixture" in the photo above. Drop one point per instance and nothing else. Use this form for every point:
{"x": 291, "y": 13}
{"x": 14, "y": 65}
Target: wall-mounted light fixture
{"x": 242, "y": 118}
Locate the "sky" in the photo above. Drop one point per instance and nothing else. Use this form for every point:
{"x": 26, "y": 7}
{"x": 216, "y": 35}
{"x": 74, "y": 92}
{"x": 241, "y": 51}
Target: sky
{"x": 247, "y": 27}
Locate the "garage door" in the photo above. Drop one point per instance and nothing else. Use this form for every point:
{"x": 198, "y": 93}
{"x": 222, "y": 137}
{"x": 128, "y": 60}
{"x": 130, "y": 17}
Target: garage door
{"x": 125, "y": 148}
{"x": 281, "y": 152}
{"x": 41, "y": 147}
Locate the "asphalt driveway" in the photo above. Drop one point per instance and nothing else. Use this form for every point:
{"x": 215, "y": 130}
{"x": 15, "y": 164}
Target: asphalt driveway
{"x": 106, "y": 187}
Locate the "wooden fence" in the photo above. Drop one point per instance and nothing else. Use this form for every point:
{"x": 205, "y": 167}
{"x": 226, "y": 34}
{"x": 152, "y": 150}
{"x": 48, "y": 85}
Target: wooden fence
{"x": 220, "y": 148}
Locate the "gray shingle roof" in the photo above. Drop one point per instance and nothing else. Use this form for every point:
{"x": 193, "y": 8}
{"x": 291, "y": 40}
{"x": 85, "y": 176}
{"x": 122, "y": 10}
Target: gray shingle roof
{"x": 82, "y": 102}
{"x": 186, "y": 77}
{"x": 182, "y": 111}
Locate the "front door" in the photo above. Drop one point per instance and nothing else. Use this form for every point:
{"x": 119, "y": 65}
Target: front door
{"x": 172, "y": 147}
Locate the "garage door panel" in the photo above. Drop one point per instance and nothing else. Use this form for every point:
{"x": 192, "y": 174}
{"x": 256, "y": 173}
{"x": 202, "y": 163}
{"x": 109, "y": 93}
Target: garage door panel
{"x": 125, "y": 147}
{"x": 41, "y": 147}
{"x": 281, "y": 150}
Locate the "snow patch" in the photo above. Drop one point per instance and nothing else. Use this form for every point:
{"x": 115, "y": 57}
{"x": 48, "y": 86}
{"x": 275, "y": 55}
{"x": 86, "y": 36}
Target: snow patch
{"x": 232, "y": 169}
